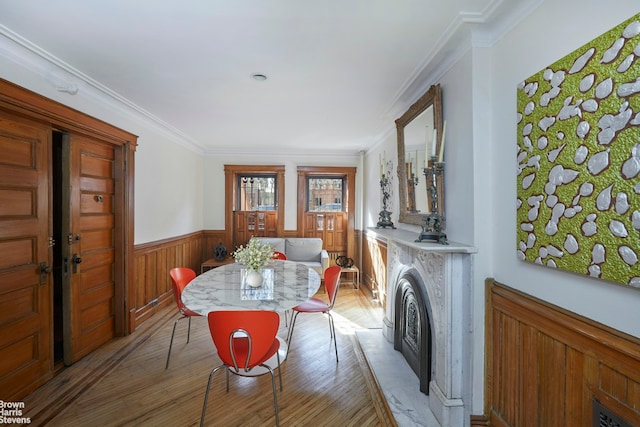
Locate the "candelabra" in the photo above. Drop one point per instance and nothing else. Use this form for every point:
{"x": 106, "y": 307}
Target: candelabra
{"x": 385, "y": 215}
{"x": 433, "y": 222}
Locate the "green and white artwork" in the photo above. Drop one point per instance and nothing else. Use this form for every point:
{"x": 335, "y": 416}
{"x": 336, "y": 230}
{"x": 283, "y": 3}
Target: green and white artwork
{"x": 578, "y": 205}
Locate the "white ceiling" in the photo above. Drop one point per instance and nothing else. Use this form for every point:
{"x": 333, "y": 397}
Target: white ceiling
{"x": 339, "y": 71}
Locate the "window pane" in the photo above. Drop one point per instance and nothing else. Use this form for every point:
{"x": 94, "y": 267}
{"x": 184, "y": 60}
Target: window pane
{"x": 325, "y": 194}
{"x": 256, "y": 193}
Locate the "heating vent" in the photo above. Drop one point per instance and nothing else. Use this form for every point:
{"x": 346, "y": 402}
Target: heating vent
{"x": 605, "y": 417}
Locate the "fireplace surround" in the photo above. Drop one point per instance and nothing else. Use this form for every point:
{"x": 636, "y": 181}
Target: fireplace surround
{"x": 436, "y": 281}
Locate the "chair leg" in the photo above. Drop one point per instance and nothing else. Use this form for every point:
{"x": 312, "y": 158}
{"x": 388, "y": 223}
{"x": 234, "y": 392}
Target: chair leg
{"x": 279, "y": 371}
{"x": 206, "y": 394}
{"x": 275, "y": 395}
{"x": 333, "y": 334}
{"x": 171, "y": 342}
{"x": 189, "y": 330}
{"x": 293, "y": 324}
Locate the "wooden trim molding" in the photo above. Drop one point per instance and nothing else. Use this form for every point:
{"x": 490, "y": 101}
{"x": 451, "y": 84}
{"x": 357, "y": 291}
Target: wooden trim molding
{"x": 349, "y": 173}
{"x": 35, "y": 106}
{"x": 546, "y": 365}
{"x": 231, "y": 193}
{"x": 153, "y": 261}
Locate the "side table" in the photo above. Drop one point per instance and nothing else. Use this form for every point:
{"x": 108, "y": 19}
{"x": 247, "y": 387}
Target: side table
{"x": 355, "y": 275}
{"x": 213, "y": 263}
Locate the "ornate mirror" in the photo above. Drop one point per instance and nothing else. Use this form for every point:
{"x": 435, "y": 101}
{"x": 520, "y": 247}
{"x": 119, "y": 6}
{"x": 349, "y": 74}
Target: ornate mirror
{"x": 416, "y": 145}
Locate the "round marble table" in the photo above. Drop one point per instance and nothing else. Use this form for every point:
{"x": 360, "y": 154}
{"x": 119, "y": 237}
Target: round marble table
{"x": 285, "y": 285}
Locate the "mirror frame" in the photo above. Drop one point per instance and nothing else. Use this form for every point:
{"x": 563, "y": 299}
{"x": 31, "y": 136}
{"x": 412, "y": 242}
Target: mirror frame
{"x": 433, "y": 97}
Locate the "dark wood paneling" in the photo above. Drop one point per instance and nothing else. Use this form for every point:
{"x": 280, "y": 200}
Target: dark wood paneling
{"x": 374, "y": 267}
{"x": 546, "y": 365}
{"x": 152, "y": 263}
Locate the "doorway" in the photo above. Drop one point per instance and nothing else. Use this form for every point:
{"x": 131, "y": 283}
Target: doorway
{"x": 58, "y": 257}
{"x": 66, "y": 236}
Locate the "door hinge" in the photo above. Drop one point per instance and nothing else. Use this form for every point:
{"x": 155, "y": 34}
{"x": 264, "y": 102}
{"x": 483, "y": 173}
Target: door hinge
{"x": 52, "y": 241}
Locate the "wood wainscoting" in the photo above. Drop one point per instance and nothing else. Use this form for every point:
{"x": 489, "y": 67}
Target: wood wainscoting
{"x": 374, "y": 266}
{"x": 546, "y": 366}
{"x": 152, "y": 264}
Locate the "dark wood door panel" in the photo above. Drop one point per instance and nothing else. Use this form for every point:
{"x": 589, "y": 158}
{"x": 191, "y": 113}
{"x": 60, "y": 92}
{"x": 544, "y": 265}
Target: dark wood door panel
{"x": 97, "y": 185}
{"x": 97, "y": 239}
{"x": 25, "y": 320}
{"x": 92, "y": 220}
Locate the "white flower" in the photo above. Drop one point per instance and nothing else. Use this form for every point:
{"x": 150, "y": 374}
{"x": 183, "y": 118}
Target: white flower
{"x": 255, "y": 255}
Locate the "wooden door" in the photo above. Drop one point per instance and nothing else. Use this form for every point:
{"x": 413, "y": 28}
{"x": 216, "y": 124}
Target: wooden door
{"x": 340, "y": 232}
{"x": 92, "y": 259}
{"x": 25, "y": 257}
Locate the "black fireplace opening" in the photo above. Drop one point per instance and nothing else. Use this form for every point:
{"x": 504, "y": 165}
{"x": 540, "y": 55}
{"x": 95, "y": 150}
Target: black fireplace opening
{"x": 412, "y": 332}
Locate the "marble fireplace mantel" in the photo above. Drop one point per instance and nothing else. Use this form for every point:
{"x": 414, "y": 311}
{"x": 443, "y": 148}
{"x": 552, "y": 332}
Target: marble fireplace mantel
{"x": 445, "y": 271}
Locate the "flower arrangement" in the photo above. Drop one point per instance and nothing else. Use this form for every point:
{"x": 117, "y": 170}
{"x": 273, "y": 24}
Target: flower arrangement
{"x": 255, "y": 255}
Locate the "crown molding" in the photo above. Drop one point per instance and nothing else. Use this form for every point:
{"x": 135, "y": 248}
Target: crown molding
{"x": 466, "y": 31}
{"x": 65, "y": 78}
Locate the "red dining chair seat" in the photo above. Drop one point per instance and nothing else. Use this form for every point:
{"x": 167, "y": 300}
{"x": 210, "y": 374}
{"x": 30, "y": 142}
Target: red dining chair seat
{"x": 180, "y": 278}
{"x": 244, "y": 340}
{"x": 313, "y": 305}
{"x": 316, "y": 305}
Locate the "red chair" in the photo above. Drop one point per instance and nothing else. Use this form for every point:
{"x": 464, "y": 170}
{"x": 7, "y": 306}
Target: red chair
{"x": 180, "y": 277}
{"x": 315, "y": 305}
{"x": 244, "y": 340}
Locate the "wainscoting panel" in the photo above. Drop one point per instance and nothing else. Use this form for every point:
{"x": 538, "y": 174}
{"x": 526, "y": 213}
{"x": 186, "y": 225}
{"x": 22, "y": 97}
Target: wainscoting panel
{"x": 152, "y": 264}
{"x": 374, "y": 266}
{"x": 549, "y": 367}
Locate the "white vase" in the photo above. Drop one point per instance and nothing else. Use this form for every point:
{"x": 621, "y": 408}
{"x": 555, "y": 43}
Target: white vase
{"x": 254, "y": 278}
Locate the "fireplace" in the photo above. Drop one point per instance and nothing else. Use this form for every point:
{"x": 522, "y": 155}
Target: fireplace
{"x": 428, "y": 318}
{"x": 412, "y": 333}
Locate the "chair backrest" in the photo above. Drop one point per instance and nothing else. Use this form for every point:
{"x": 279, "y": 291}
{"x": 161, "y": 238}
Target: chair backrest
{"x": 279, "y": 255}
{"x": 243, "y": 337}
{"x": 332, "y": 282}
{"x": 180, "y": 277}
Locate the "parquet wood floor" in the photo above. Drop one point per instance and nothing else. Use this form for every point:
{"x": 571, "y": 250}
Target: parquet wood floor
{"x": 124, "y": 383}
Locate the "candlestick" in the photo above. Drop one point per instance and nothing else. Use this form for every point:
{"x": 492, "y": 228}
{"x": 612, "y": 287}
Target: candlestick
{"x": 433, "y": 142}
{"x": 441, "y": 155}
{"x": 426, "y": 146}
{"x": 384, "y": 163}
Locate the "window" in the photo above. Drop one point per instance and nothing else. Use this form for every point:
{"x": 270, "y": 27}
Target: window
{"x": 256, "y": 193}
{"x": 325, "y": 194}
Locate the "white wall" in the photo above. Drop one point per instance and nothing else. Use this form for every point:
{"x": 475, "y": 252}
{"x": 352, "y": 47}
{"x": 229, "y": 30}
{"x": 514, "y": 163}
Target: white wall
{"x": 387, "y": 148}
{"x": 169, "y": 184}
{"x": 549, "y": 33}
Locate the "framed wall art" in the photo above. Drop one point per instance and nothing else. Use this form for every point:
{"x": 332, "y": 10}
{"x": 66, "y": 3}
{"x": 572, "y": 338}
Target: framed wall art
{"x": 578, "y": 180}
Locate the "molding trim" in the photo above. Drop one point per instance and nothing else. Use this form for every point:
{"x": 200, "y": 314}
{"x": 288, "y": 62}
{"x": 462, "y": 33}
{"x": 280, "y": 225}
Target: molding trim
{"x": 468, "y": 30}
{"x": 59, "y": 75}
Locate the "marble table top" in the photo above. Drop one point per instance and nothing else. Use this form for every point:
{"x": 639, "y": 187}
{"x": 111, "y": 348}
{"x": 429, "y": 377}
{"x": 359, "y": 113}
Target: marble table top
{"x": 285, "y": 285}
